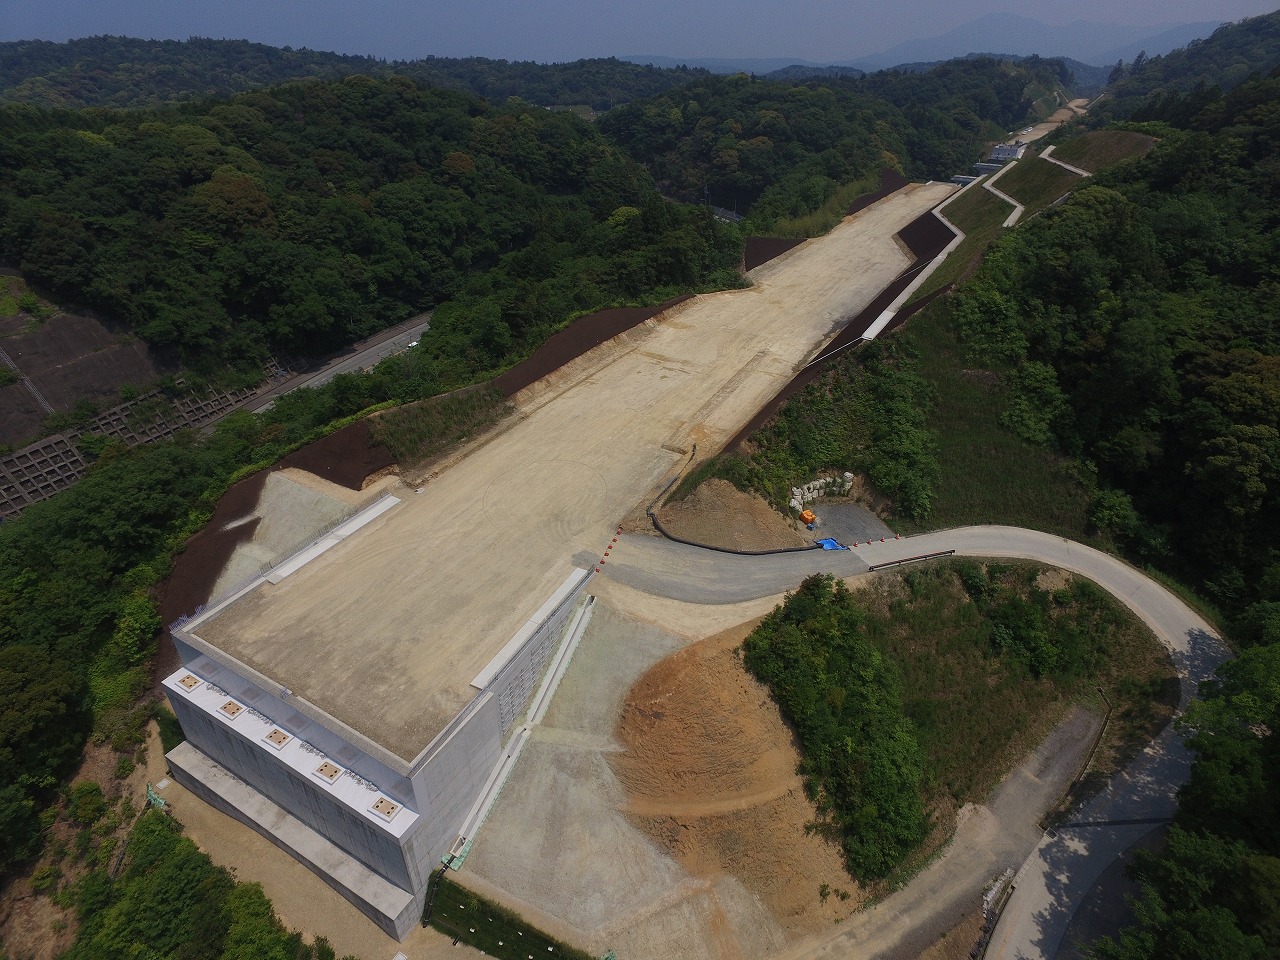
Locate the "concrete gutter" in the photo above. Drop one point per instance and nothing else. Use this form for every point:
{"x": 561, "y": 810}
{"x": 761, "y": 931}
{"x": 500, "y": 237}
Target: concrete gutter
{"x": 891, "y": 311}
{"x": 1065, "y": 166}
{"x": 989, "y": 186}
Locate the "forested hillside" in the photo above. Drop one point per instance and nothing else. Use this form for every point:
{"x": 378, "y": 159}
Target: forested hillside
{"x": 1082, "y": 78}
{"x": 1138, "y": 324}
{"x": 301, "y": 218}
{"x": 1222, "y": 60}
{"x": 1137, "y": 330}
{"x": 128, "y": 72}
{"x": 781, "y": 149}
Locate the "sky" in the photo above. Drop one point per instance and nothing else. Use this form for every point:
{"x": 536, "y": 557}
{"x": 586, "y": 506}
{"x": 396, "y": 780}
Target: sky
{"x": 561, "y": 30}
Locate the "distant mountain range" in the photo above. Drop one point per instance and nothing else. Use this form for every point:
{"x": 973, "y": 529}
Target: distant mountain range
{"x": 1098, "y": 44}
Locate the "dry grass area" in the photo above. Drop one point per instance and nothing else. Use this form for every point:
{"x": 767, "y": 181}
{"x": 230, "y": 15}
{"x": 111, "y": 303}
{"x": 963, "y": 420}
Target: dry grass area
{"x": 718, "y": 514}
{"x": 709, "y": 768}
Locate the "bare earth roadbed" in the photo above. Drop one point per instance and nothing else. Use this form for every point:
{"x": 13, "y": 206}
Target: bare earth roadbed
{"x": 585, "y": 446}
{"x": 547, "y": 488}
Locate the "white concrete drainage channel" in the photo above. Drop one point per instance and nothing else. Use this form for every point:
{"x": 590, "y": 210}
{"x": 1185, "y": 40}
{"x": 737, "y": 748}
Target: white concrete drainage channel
{"x": 537, "y": 710}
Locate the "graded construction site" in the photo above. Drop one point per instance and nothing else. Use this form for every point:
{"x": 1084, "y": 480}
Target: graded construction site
{"x": 353, "y": 702}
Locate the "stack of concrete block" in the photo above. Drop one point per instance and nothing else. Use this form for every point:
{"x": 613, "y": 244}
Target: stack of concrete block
{"x": 822, "y": 487}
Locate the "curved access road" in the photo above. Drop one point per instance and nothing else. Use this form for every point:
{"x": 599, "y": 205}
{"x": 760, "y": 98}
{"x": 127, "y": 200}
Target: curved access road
{"x": 1056, "y": 870}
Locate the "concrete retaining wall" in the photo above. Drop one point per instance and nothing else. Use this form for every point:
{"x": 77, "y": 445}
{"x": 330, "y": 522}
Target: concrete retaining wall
{"x": 514, "y": 684}
{"x": 442, "y": 785}
{"x": 393, "y": 910}
{"x": 282, "y": 785}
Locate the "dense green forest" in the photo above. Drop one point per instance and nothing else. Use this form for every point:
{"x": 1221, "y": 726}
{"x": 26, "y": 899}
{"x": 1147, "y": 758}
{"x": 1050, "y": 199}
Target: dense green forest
{"x": 861, "y": 760}
{"x": 301, "y": 218}
{"x": 1223, "y": 60}
{"x": 1137, "y": 334}
{"x": 1081, "y": 78}
{"x": 781, "y": 149}
{"x": 171, "y": 901}
{"x": 1136, "y": 326}
{"x": 911, "y": 698}
{"x": 127, "y": 72}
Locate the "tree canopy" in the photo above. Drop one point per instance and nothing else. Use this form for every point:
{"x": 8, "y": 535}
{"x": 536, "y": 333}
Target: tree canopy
{"x": 1233, "y": 53}
{"x": 860, "y": 758}
{"x": 129, "y": 72}
{"x": 299, "y": 219}
{"x": 783, "y": 147}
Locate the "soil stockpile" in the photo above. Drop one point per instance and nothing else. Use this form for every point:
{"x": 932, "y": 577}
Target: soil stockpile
{"x": 718, "y": 514}
{"x": 710, "y": 772}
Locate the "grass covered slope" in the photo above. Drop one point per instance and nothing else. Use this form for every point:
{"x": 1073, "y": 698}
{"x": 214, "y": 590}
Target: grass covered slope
{"x": 1036, "y": 183}
{"x": 1098, "y": 150}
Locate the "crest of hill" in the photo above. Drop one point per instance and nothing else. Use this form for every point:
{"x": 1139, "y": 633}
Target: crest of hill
{"x": 1225, "y": 60}
{"x": 1081, "y": 40}
{"x": 129, "y": 72}
{"x": 1083, "y": 78}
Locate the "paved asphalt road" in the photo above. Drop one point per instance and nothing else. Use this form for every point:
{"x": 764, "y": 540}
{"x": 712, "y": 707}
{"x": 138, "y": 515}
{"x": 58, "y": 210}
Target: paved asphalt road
{"x": 361, "y": 357}
{"x": 1062, "y": 866}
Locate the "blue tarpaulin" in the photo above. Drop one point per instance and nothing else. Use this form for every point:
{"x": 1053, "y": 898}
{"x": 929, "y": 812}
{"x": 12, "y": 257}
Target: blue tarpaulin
{"x": 831, "y": 543}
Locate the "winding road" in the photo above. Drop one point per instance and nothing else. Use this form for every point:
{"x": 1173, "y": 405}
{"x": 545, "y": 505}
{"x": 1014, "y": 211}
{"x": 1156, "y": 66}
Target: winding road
{"x": 1055, "y": 870}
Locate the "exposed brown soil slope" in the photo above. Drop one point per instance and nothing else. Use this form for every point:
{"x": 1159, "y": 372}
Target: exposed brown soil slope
{"x": 718, "y": 514}
{"x": 760, "y": 250}
{"x": 710, "y": 771}
{"x": 575, "y": 340}
{"x": 347, "y": 457}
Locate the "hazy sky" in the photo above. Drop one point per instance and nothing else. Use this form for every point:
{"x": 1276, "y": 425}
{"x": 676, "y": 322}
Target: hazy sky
{"x": 554, "y": 30}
